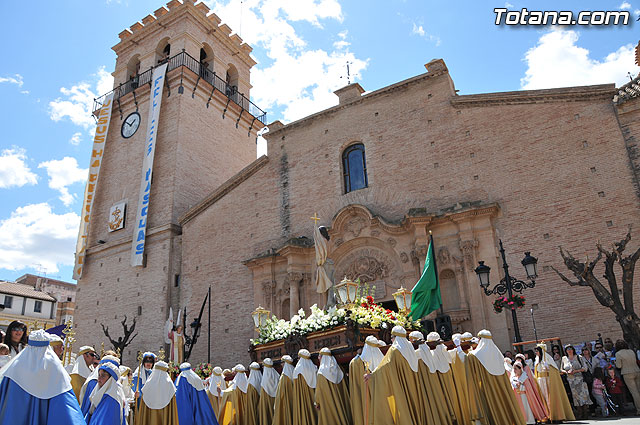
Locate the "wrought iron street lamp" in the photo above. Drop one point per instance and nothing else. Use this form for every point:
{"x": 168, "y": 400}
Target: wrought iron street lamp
{"x": 508, "y": 284}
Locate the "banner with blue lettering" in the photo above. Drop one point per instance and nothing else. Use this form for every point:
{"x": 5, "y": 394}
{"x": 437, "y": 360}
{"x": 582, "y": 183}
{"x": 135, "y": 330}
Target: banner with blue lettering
{"x": 102, "y": 128}
{"x": 140, "y": 225}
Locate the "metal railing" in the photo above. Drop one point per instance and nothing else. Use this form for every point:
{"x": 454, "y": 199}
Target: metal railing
{"x": 200, "y": 69}
{"x": 628, "y": 91}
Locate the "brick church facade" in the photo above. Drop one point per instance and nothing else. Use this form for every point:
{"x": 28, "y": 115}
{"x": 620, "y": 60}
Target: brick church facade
{"x": 537, "y": 169}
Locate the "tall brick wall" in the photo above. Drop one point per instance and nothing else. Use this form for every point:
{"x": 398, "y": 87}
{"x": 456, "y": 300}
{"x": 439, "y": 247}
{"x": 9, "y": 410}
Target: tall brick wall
{"x": 554, "y": 161}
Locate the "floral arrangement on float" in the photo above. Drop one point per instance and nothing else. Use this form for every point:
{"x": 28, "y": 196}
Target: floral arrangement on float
{"x": 203, "y": 370}
{"x": 513, "y": 302}
{"x": 364, "y": 312}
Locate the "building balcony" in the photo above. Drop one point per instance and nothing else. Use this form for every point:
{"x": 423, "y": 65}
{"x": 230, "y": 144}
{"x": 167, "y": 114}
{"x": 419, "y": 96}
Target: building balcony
{"x": 203, "y": 74}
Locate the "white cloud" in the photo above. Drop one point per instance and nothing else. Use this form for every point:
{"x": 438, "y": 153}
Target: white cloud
{"x": 62, "y": 173}
{"x": 14, "y": 171}
{"x": 557, "y": 61}
{"x": 299, "y": 78}
{"x": 419, "y": 30}
{"x": 508, "y": 5}
{"x": 76, "y": 103}
{"x": 76, "y": 139}
{"x": 342, "y": 43}
{"x": 35, "y": 235}
{"x": 625, "y": 5}
{"x": 16, "y": 79}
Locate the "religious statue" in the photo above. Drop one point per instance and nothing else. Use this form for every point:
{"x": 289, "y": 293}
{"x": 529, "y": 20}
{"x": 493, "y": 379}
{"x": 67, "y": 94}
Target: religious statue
{"x": 175, "y": 338}
{"x": 323, "y": 280}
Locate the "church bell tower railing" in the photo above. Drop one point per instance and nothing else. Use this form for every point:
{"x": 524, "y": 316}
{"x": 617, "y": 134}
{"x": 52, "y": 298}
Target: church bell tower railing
{"x": 191, "y": 63}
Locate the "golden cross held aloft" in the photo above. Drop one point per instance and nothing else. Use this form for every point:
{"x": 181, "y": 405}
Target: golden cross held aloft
{"x": 315, "y": 218}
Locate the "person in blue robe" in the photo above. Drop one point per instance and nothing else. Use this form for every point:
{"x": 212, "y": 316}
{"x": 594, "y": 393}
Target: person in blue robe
{"x": 107, "y": 403}
{"x": 35, "y": 388}
{"x": 141, "y": 378}
{"x": 194, "y": 407}
{"x": 91, "y": 382}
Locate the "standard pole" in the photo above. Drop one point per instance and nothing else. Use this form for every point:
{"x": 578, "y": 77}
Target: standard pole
{"x": 507, "y": 278}
{"x": 209, "y": 330}
{"x": 435, "y": 266}
{"x": 535, "y": 331}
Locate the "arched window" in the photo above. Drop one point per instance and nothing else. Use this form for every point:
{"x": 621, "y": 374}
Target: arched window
{"x": 206, "y": 62}
{"x": 355, "y": 168}
{"x": 163, "y": 50}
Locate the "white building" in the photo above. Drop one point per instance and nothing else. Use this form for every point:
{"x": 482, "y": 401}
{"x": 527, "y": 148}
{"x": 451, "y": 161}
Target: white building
{"x": 23, "y": 302}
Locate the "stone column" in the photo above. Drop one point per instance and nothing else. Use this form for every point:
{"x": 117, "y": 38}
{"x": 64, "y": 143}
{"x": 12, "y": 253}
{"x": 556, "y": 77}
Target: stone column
{"x": 294, "y": 292}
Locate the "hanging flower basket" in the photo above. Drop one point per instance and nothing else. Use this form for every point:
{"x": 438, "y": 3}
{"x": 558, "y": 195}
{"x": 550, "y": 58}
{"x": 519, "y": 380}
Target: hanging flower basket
{"x": 516, "y": 301}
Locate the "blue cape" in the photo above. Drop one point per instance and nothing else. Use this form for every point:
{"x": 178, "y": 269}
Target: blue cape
{"x": 194, "y": 407}
{"x": 86, "y": 402}
{"x": 107, "y": 413}
{"x": 18, "y": 407}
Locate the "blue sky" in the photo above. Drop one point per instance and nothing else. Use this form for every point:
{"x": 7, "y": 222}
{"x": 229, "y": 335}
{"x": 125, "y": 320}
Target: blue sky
{"x": 58, "y": 57}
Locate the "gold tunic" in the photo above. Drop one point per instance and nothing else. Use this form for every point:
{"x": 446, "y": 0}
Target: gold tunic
{"x": 265, "y": 408}
{"x": 77, "y": 382}
{"x": 233, "y": 408}
{"x": 492, "y": 401}
{"x": 283, "y": 410}
{"x": 304, "y": 412}
{"x": 165, "y": 416}
{"x": 553, "y": 392}
{"x": 462, "y": 390}
{"x": 215, "y": 403}
{"x": 396, "y": 394}
{"x": 253, "y": 398}
{"x": 333, "y": 402}
{"x": 357, "y": 391}
{"x": 439, "y": 406}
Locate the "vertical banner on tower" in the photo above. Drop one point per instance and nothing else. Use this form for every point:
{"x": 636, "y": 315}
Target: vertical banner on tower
{"x": 102, "y": 128}
{"x": 140, "y": 225}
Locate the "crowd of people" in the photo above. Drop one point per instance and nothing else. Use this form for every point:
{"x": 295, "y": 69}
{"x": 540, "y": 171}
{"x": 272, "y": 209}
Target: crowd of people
{"x": 599, "y": 378}
{"x": 415, "y": 380}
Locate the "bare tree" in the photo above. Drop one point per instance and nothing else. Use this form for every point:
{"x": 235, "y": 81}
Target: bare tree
{"x": 609, "y": 295}
{"x": 122, "y": 342}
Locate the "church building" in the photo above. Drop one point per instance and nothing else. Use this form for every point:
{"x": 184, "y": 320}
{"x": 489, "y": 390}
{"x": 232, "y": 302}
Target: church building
{"x": 535, "y": 169}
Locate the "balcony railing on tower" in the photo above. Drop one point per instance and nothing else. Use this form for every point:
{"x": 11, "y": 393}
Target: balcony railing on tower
{"x": 204, "y": 73}
{"x": 628, "y": 91}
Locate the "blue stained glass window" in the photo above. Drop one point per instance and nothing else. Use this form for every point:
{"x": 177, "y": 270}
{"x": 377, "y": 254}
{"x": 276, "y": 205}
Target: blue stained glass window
{"x": 355, "y": 168}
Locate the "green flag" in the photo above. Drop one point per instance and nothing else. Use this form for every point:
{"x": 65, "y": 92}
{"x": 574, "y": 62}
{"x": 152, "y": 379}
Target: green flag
{"x": 425, "y": 296}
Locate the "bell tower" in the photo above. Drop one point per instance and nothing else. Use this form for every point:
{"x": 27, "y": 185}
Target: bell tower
{"x": 205, "y": 133}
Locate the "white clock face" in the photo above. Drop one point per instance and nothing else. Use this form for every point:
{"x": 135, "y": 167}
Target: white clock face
{"x": 130, "y": 125}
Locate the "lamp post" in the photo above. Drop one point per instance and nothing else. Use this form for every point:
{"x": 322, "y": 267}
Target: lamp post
{"x": 508, "y": 284}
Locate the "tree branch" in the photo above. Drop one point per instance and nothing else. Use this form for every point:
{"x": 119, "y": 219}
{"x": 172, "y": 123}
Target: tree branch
{"x": 580, "y": 282}
{"x": 620, "y": 246}
{"x": 609, "y": 274}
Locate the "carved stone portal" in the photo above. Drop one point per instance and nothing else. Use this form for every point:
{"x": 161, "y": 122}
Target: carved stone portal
{"x": 370, "y": 266}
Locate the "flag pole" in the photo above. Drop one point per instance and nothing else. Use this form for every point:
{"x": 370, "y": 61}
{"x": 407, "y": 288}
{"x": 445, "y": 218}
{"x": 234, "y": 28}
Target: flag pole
{"x": 435, "y": 265}
{"x": 209, "y": 329}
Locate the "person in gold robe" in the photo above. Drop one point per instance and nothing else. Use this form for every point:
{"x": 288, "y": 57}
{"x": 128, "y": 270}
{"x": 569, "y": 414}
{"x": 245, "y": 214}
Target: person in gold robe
{"x": 332, "y": 396}
{"x": 283, "y": 409}
{"x": 396, "y": 393}
{"x": 82, "y": 369}
{"x": 551, "y": 387}
{"x": 158, "y": 400}
{"x": 253, "y": 392}
{"x": 233, "y": 406}
{"x": 268, "y": 391}
{"x": 439, "y": 406}
{"x": 491, "y": 399}
{"x": 304, "y": 386}
{"x": 360, "y": 396}
{"x": 458, "y": 357}
{"x": 442, "y": 362}
{"x": 217, "y": 384}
